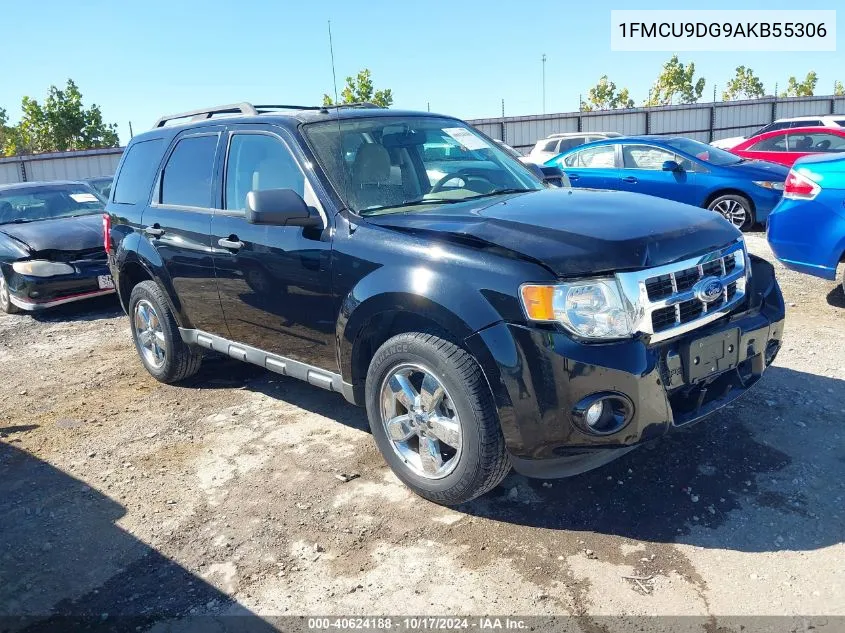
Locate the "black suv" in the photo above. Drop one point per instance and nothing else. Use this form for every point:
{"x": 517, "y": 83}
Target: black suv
{"x": 406, "y": 261}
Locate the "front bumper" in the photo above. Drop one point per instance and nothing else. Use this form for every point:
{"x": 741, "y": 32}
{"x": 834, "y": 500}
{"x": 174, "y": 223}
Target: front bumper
{"x": 538, "y": 375}
{"x": 38, "y": 293}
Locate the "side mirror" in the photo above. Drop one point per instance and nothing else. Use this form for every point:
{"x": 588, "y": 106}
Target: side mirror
{"x": 280, "y": 207}
{"x": 671, "y": 165}
{"x": 551, "y": 173}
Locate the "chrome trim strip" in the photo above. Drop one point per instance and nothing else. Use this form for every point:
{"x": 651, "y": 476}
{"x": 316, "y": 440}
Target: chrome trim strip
{"x": 635, "y": 295}
{"x": 31, "y": 306}
{"x": 275, "y": 363}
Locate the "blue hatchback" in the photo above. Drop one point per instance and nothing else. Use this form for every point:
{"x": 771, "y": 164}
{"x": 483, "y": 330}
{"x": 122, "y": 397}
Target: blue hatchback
{"x": 678, "y": 168}
{"x": 807, "y": 229}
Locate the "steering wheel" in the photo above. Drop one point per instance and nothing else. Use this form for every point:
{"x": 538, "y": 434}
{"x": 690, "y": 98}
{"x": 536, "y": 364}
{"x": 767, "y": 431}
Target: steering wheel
{"x": 466, "y": 175}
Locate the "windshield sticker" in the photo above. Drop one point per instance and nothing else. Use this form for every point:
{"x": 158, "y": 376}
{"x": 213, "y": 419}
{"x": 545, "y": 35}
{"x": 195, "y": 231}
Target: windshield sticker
{"x": 466, "y": 138}
{"x": 84, "y": 197}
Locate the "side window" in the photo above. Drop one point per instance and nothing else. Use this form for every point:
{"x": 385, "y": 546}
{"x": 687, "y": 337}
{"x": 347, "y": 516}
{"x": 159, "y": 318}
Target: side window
{"x": 186, "y": 181}
{"x": 551, "y": 146}
{"x": 569, "y": 143}
{"x": 135, "y": 179}
{"x": 601, "y": 156}
{"x": 645, "y": 157}
{"x": 816, "y": 142}
{"x": 257, "y": 162}
{"x": 772, "y": 144}
{"x": 806, "y": 123}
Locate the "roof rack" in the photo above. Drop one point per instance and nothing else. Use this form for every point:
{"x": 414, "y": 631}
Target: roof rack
{"x": 207, "y": 113}
{"x": 249, "y": 109}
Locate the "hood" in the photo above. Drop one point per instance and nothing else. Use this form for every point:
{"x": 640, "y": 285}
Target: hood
{"x": 759, "y": 170}
{"x": 82, "y": 233}
{"x": 576, "y": 232}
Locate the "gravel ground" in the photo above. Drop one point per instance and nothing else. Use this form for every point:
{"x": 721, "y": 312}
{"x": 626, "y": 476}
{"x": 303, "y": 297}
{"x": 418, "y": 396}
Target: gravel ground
{"x": 247, "y": 492}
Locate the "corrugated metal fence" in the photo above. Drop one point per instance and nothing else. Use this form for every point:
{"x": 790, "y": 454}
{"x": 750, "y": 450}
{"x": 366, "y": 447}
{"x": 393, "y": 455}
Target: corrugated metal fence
{"x": 60, "y": 165}
{"x": 702, "y": 121}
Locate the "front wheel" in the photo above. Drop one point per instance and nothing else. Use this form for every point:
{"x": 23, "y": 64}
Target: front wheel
{"x": 433, "y": 418}
{"x": 735, "y": 209}
{"x": 6, "y": 304}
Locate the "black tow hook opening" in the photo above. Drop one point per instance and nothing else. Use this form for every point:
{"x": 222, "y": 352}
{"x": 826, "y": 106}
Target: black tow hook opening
{"x": 772, "y": 349}
{"x": 603, "y": 413}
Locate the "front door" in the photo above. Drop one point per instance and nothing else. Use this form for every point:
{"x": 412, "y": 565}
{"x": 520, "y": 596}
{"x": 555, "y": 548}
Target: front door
{"x": 274, "y": 281}
{"x": 177, "y": 227}
{"x": 593, "y": 167}
{"x": 643, "y": 172}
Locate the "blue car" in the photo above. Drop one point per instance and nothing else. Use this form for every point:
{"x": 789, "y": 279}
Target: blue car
{"x": 677, "y": 168}
{"x": 807, "y": 229}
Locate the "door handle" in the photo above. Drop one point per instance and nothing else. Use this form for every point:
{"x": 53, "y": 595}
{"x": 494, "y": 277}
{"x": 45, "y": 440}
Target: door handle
{"x": 154, "y": 231}
{"x": 573, "y": 177}
{"x": 630, "y": 179}
{"x": 230, "y": 244}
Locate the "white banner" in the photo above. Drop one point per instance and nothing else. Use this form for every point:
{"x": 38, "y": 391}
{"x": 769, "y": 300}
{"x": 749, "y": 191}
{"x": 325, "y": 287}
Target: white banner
{"x": 722, "y": 30}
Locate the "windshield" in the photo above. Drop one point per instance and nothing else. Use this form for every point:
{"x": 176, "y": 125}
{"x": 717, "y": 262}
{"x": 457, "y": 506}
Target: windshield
{"x": 404, "y": 164}
{"x": 47, "y": 202}
{"x": 703, "y": 152}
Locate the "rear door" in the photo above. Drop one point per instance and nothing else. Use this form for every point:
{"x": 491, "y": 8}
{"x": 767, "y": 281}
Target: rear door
{"x": 642, "y": 172}
{"x": 594, "y": 167}
{"x": 772, "y": 147}
{"x": 274, "y": 281}
{"x": 177, "y": 225}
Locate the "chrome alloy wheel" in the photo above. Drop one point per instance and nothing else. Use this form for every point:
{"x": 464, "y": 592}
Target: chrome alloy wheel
{"x": 732, "y": 211}
{"x": 420, "y": 421}
{"x": 149, "y": 334}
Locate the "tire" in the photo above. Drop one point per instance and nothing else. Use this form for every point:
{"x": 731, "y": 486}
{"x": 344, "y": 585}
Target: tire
{"x": 741, "y": 216}
{"x": 6, "y": 304}
{"x": 479, "y": 462}
{"x": 159, "y": 333}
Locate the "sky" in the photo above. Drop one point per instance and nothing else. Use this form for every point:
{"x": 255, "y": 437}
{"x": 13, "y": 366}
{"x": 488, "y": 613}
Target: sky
{"x": 139, "y": 60}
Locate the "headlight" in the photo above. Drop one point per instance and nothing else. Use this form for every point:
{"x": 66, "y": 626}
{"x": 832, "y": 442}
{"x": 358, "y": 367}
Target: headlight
{"x": 42, "y": 268}
{"x": 769, "y": 184}
{"x": 591, "y": 308}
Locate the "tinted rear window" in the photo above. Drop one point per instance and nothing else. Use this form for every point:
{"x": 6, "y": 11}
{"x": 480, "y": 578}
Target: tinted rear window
{"x": 187, "y": 175}
{"x": 134, "y": 181}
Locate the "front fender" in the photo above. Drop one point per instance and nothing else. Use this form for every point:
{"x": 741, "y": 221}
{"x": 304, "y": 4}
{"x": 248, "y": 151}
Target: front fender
{"x": 425, "y": 292}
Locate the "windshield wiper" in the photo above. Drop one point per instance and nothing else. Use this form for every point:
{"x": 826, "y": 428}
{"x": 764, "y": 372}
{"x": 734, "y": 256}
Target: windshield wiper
{"x": 435, "y": 201}
{"x": 18, "y": 221}
{"x": 501, "y": 192}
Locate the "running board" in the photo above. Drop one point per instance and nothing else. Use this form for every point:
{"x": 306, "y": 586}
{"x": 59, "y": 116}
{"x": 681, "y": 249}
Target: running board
{"x": 278, "y": 364}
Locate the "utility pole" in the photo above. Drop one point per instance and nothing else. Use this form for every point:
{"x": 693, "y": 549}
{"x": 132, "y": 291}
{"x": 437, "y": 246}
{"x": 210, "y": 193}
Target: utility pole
{"x": 131, "y": 133}
{"x": 544, "y": 83}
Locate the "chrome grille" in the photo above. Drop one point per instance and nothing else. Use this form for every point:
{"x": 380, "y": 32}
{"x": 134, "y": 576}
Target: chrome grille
{"x": 665, "y": 302}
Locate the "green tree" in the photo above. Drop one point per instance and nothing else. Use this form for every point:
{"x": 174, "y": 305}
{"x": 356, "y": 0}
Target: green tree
{"x": 4, "y": 131}
{"x": 838, "y": 89}
{"x": 61, "y": 124}
{"x": 675, "y": 83}
{"x": 603, "y": 96}
{"x": 744, "y": 85}
{"x": 806, "y": 88}
{"x": 360, "y": 89}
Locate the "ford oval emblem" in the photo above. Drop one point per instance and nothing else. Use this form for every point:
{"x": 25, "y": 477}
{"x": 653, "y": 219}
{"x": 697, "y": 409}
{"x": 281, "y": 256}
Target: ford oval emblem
{"x": 708, "y": 289}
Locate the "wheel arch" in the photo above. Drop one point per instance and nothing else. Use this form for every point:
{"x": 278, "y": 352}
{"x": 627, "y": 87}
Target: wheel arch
{"x": 730, "y": 191}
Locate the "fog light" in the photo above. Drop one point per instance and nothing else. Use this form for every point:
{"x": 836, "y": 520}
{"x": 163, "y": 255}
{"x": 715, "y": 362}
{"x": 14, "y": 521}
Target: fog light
{"x": 594, "y": 413}
{"x": 603, "y": 413}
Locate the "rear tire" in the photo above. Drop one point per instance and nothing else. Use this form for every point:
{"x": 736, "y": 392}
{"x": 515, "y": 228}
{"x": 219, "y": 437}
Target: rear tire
{"x": 6, "y": 304}
{"x": 156, "y": 335}
{"x": 447, "y": 446}
{"x": 735, "y": 208}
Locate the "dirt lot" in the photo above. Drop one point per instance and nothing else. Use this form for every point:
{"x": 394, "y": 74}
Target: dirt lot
{"x": 122, "y": 496}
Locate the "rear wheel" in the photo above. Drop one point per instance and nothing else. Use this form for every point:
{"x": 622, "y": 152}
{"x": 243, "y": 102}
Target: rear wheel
{"x": 6, "y": 304}
{"x": 156, "y": 336}
{"x": 433, "y": 419}
{"x": 735, "y": 209}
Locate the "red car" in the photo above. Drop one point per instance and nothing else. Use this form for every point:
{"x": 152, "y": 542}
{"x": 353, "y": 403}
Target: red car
{"x": 788, "y": 145}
